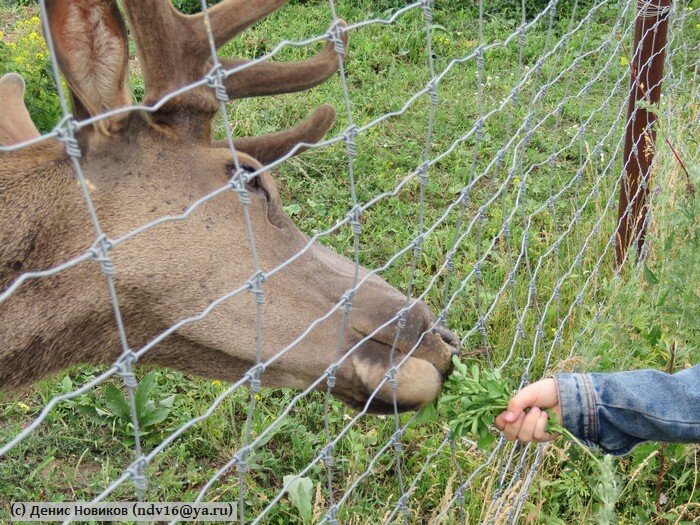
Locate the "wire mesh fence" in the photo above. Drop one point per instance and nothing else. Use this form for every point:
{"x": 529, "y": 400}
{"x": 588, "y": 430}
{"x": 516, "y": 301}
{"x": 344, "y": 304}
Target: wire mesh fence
{"x": 511, "y": 246}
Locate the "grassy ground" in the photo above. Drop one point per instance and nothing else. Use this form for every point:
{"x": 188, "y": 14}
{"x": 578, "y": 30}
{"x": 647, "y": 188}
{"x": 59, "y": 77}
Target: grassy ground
{"x": 647, "y": 316}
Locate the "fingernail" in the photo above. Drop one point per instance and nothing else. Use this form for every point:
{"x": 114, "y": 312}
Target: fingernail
{"x": 510, "y": 417}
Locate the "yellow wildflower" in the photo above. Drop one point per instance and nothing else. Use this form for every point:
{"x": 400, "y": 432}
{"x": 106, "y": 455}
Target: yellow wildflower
{"x": 2, "y": 35}
{"x": 34, "y": 19}
{"x": 24, "y": 406}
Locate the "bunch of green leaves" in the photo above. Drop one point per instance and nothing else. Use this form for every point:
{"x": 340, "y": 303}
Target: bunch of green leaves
{"x": 472, "y": 400}
{"x": 117, "y": 411}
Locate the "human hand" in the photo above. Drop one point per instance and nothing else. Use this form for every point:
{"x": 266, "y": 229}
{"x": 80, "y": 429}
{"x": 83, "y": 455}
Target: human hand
{"x": 530, "y": 425}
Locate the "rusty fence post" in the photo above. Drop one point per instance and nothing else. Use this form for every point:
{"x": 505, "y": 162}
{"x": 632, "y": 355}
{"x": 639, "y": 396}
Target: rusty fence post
{"x": 646, "y": 74}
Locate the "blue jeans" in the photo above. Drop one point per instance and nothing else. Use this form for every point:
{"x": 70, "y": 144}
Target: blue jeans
{"x": 619, "y": 410}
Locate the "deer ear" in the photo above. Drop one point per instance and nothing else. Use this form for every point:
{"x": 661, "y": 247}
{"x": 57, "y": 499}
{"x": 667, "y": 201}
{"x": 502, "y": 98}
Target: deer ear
{"x": 15, "y": 124}
{"x": 92, "y": 51}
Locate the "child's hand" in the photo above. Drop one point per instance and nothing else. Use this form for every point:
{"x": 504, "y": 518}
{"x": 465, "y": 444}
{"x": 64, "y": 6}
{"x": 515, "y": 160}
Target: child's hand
{"x": 528, "y": 426}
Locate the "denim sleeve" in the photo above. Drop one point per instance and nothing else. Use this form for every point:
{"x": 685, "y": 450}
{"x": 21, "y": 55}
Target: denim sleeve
{"x": 619, "y": 410}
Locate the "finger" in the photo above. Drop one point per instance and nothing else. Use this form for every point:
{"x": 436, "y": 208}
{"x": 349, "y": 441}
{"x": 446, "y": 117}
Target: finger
{"x": 540, "y": 433}
{"x": 500, "y": 421}
{"x": 542, "y": 394}
{"x": 527, "y": 429}
{"x": 511, "y": 429}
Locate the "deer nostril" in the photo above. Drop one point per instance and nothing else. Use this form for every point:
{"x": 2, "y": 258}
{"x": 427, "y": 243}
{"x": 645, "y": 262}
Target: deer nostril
{"x": 448, "y": 338}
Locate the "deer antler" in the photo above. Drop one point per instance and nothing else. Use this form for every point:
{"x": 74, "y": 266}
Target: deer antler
{"x": 185, "y": 57}
{"x": 174, "y": 51}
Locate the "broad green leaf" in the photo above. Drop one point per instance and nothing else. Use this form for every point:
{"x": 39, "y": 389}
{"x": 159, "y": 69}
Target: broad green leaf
{"x": 116, "y": 402}
{"x": 300, "y": 492}
{"x": 144, "y": 391}
{"x": 168, "y": 402}
{"x": 66, "y": 384}
{"x": 154, "y": 417}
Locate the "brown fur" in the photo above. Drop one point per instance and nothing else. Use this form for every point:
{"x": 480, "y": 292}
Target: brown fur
{"x": 155, "y": 165}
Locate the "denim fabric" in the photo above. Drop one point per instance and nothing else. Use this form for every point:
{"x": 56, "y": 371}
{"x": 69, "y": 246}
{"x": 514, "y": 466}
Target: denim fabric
{"x": 619, "y": 410}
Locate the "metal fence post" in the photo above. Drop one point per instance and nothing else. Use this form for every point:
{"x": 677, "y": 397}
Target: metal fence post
{"x": 646, "y": 73}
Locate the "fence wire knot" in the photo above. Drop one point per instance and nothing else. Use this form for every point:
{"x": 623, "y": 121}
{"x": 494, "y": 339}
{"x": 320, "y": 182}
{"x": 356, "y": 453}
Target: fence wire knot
{"x": 459, "y": 496}
{"x": 331, "y": 515}
{"x": 540, "y": 331}
{"x": 479, "y": 124}
{"x": 327, "y": 455}
{"x": 254, "y": 285}
{"x": 464, "y": 196}
{"x": 402, "y": 506}
{"x": 125, "y": 368}
{"x": 136, "y": 473}
{"x": 331, "y": 378}
{"x": 242, "y": 461}
{"x": 349, "y": 137}
{"x": 433, "y": 91}
{"x": 506, "y": 230}
{"x": 391, "y": 376}
{"x": 477, "y": 270}
{"x": 215, "y": 80}
{"x": 335, "y": 35}
{"x": 427, "y": 6}
{"x": 423, "y": 174}
{"x": 401, "y": 322}
{"x": 99, "y": 252}
{"x": 441, "y": 318}
{"x": 347, "y": 302}
{"x": 253, "y": 375}
{"x": 521, "y": 35}
{"x": 395, "y": 440}
{"x": 558, "y": 338}
{"x": 65, "y": 132}
{"x": 480, "y": 59}
{"x": 237, "y": 184}
{"x": 353, "y": 217}
{"x": 418, "y": 244}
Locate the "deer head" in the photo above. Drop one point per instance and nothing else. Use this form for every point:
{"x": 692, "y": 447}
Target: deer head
{"x": 145, "y": 165}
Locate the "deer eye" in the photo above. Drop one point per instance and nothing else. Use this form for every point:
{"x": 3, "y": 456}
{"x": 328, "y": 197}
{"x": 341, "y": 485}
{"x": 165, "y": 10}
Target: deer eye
{"x": 254, "y": 185}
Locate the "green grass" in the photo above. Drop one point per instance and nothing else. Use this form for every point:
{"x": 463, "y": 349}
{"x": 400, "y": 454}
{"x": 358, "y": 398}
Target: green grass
{"x": 646, "y": 313}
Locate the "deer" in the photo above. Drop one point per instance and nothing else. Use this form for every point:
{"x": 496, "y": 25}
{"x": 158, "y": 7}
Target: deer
{"x": 142, "y": 165}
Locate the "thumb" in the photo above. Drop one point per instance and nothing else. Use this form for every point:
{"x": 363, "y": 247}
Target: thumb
{"x": 542, "y": 394}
